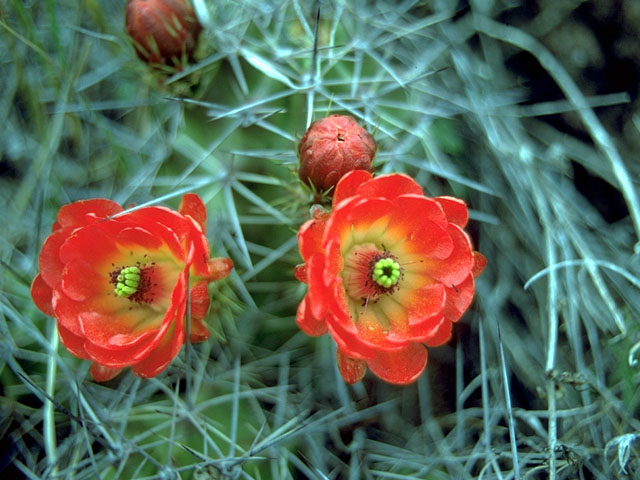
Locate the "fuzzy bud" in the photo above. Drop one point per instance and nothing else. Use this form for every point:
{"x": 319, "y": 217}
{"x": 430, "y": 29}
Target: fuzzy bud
{"x": 163, "y": 31}
{"x": 331, "y": 147}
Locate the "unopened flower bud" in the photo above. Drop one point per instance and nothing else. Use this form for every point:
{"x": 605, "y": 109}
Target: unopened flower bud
{"x": 163, "y": 31}
{"x": 331, "y": 147}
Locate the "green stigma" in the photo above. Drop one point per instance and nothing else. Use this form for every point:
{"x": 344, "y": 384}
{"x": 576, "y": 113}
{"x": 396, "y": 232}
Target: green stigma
{"x": 386, "y": 272}
{"x": 127, "y": 281}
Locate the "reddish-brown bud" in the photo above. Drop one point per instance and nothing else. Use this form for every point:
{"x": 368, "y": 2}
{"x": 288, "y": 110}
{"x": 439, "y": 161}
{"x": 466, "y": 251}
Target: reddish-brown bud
{"x": 163, "y": 31}
{"x": 331, "y": 147}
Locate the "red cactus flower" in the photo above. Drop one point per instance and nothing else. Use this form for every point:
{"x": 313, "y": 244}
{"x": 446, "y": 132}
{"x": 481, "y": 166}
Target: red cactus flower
{"x": 118, "y": 282}
{"x": 389, "y": 271}
{"x": 331, "y": 147}
{"x": 163, "y": 31}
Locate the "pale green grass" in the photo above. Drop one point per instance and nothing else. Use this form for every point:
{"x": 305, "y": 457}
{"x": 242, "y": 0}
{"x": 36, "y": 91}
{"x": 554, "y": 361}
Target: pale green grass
{"x": 541, "y": 379}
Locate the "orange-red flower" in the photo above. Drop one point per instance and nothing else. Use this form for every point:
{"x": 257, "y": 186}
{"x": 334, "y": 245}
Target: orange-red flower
{"x": 163, "y": 31}
{"x": 331, "y": 147}
{"x": 389, "y": 270}
{"x": 118, "y": 282}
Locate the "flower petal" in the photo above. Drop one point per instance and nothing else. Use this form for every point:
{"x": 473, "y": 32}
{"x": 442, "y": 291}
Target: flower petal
{"x": 200, "y": 300}
{"x": 67, "y": 312}
{"x": 346, "y": 337}
{"x": 300, "y": 272}
{"x": 73, "y": 343}
{"x": 192, "y": 205}
{"x": 137, "y": 237}
{"x": 51, "y": 266}
{"x": 369, "y": 219}
{"x": 348, "y": 185}
{"x": 123, "y": 357}
{"x": 351, "y": 369}
{"x": 422, "y": 303}
{"x": 428, "y": 240}
{"x": 219, "y": 268}
{"x": 199, "y": 331}
{"x": 458, "y": 299}
{"x": 389, "y": 186}
{"x": 90, "y": 242}
{"x": 80, "y": 281}
{"x": 457, "y": 266}
{"x": 439, "y": 335}
{"x": 317, "y": 294}
{"x": 479, "y": 262}
{"x": 118, "y": 332}
{"x": 412, "y": 210}
{"x": 41, "y": 294}
{"x": 307, "y": 322}
{"x": 372, "y": 331}
{"x": 400, "y": 366}
{"x": 310, "y": 237}
{"x": 455, "y": 209}
{"x": 85, "y": 212}
{"x": 101, "y": 373}
{"x": 164, "y": 352}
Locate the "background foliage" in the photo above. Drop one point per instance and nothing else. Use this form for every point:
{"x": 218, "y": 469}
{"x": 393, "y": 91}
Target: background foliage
{"x": 527, "y": 110}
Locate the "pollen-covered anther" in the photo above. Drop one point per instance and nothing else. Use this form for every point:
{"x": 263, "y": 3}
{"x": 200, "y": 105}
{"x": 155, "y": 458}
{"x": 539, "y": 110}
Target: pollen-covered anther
{"x": 386, "y": 272}
{"x": 127, "y": 281}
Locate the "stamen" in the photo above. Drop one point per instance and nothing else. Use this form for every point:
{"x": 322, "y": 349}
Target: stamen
{"x": 386, "y": 272}
{"x": 128, "y": 281}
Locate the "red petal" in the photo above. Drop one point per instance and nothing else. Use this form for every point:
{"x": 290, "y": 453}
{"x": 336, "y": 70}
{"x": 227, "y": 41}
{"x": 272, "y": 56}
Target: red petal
{"x": 455, "y": 210}
{"x": 439, "y": 335}
{"x": 348, "y": 185}
{"x": 41, "y": 294}
{"x": 317, "y": 300}
{"x": 310, "y": 237}
{"x": 429, "y": 329}
{"x": 412, "y": 210}
{"x": 100, "y": 373}
{"x": 169, "y": 225}
{"x": 370, "y": 217}
{"x": 479, "y": 262}
{"x": 133, "y": 325}
{"x": 118, "y": 358}
{"x": 161, "y": 356}
{"x": 300, "y": 272}
{"x": 80, "y": 281}
{"x": 199, "y": 331}
{"x": 426, "y": 240}
{"x": 138, "y": 236}
{"x": 339, "y": 228}
{"x": 73, "y": 343}
{"x": 120, "y": 331}
{"x": 389, "y": 186}
{"x": 90, "y": 242}
{"x": 307, "y": 322}
{"x": 150, "y": 216}
{"x": 455, "y": 268}
{"x": 219, "y": 268}
{"x": 201, "y": 265}
{"x": 51, "y": 265}
{"x": 334, "y": 261}
{"x": 133, "y": 343}
{"x": 67, "y": 312}
{"x": 351, "y": 369}
{"x": 199, "y": 300}
{"x": 85, "y": 212}
{"x": 192, "y": 205}
{"x": 422, "y": 303}
{"x": 175, "y": 240}
{"x": 458, "y": 299}
{"x": 400, "y": 366}
{"x": 345, "y": 334}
